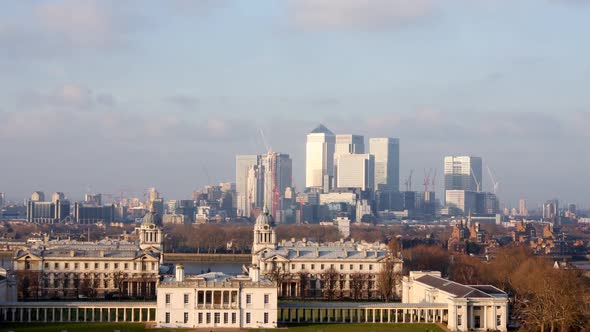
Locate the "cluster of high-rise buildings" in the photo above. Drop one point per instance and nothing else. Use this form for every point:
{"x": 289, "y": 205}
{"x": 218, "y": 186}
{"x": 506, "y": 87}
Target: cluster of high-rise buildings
{"x": 343, "y": 178}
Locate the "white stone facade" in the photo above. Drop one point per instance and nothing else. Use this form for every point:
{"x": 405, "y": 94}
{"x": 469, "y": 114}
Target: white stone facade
{"x": 216, "y": 300}
{"x": 470, "y": 308}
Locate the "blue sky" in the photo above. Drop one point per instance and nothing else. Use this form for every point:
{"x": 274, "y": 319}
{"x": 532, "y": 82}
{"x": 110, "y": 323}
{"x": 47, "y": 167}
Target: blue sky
{"x": 132, "y": 94}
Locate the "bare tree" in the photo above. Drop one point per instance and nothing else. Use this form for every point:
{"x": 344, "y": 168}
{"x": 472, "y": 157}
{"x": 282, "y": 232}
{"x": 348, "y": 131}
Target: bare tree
{"x": 356, "y": 285}
{"x": 329, "y": 279}
{"x": 303, "y": 284}
{"x": 278, "y": 275}
{"x": 388, "y": 280}
{"x": 119, "y": 277}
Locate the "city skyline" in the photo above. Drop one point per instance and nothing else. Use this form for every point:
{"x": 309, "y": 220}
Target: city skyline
{"x": 115, "y": 96}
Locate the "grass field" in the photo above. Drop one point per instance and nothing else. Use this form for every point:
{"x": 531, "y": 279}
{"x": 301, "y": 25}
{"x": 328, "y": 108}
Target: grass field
{"x": 138, "y": 327}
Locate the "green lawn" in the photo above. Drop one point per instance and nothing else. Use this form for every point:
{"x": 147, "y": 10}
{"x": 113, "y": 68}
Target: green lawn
{"x": 363, "y": 328}
{"x": 138, "y": 327}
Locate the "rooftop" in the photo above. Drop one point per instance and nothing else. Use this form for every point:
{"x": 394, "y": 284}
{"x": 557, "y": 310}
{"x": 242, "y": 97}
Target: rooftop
{"x": 321, "y": 129}
{"x": 459, "y": 290}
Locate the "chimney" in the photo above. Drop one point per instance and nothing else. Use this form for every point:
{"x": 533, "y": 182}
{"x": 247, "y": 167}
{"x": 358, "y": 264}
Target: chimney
{"x": 72, "y": 253}
{"x": 254, "y": 273}
{"x": 101, "y": 253}
{"x": 179, "y": 272}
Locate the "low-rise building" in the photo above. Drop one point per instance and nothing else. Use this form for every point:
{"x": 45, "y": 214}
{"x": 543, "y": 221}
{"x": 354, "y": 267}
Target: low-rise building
{"x": 217, "y": 300}
{"x": 479, "y": 308}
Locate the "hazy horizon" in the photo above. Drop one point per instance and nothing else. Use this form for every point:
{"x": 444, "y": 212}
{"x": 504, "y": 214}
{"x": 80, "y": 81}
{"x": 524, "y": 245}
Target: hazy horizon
{"x": 129, "y": 95}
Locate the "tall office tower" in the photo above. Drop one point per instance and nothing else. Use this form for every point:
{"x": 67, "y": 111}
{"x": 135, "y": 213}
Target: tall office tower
{"x": 93, "y": 199}
{"x": 319, "y": 159}
{"x": 550, "y": 209}
{"x": 347, "y": 144}
{"x": 278, "y": 172}
{"x": 243, "y": 164}
{"x": 153, "y": 194}
{"x": 462, "y": 200}
{"x": 522, "y": 208}
{"x": 356, "y": 171}
{"x": 463, "y": 173}
{"x": 38, "y": 196}
{"x": 386, "y": 152}
{"x": 255, "y": 188}
{"x": 2, "y": 200}
{"x": 57, "y": 197}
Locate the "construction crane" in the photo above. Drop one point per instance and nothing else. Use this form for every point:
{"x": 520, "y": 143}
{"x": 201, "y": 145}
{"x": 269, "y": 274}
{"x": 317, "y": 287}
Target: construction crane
{"x": 494, "y": 182}
{"x": 478, "y": 185}
{"x": 408, "y": 181}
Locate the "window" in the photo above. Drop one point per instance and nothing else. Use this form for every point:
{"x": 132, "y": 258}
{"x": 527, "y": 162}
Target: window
{"x": 266, "y": 298}
{"x": 153, "y": 266}
{"x": 225, "y": 318}
{"x": 96, "y": 266}
{"x": 477, "y": 322}
{"x": 266, "y": 318}
{"x": 312, "y": 266}
{"x": 200, "y": 318}
{"x": 106, "y": 265}
{"x": 370, "y": 267}
{"x": 56, "y": 266}
{"x": 167, "y": 298}
{"x": 292, "y": 266}
{"x": 86, "y": 266}
{"x": 233, "y": 318}
{"x": 167, "y": 318}
{"x": 498, "y": 320}
{"x": 66, "y": 265}
{"x": 459, "y": 320}
{"x": 186, "y": 317}
{"x": 46, "y": 265}
{"x": 341, "y": 266}
{"x": 360, "y": 266}
{"x": 303, "y": 266}
{"x": 116, "y": 265}
{"x": 76, "y": 266}
{"x": 248, "y": 318}
{"x": 351, "y": 267}
{"x": 322, "y": 266}
{"x": 126, "y": 266}
{"x": 186, "y": 298}
{"x": 208, "y": 316}
{"x": 331, "y": 266}
{"x": 248, "y": 298}
{"x": 217, "y": 318}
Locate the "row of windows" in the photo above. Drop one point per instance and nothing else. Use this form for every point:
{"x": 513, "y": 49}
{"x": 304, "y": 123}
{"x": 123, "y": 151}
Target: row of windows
{"x": 249, "y": 298}
{"x": 249, "y": 318}
{"x": 86, "y": 266}
{"x": 333, "y": 266}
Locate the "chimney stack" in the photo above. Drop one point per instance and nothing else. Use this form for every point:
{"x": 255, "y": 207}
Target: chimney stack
{"x": 179, "y": 272}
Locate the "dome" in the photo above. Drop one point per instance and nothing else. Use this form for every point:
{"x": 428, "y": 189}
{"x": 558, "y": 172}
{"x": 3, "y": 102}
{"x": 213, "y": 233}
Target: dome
{"x": 264, "y": 218}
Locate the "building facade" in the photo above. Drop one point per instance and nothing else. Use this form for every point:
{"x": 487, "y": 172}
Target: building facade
{"x": 386, "y": 152}
{"x": 217, "y": 300}
{"x": 319, "y": 159}
{"x": 470, "y": 308}
{"x": 70, "y": 269}
{"x": 463, "y": 173}
{"x": 304, "y": 269}
{"x": 356, "y": 171}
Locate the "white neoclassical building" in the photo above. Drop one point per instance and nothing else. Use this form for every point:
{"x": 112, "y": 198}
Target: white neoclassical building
{"x": 479, "y": 308}
{"x": 68, "y": 269}
{"x": 217, "y": 300}
{"x": 307, "y": 262}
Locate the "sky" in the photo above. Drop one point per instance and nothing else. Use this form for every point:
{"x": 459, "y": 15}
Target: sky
{"x": 117, "y": 96}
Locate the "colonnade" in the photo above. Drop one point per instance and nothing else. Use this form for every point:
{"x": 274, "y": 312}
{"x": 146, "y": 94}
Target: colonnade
{"x": 304, "y": 314}
{"x": 29, "y": 313}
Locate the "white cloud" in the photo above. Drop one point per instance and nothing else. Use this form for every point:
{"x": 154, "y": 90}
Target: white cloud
{"x": 317, "y": 14}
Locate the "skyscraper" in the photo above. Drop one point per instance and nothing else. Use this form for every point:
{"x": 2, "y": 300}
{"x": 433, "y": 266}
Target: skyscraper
{"x": 356, "y": 171}
{"x": 386, "y": 152}
{"x": 522, "y": 210}
{"x": 2, "y": 200}
{"x": 243, "y": 165}
{"x": 277, "y": 178}
{"x": 463, "y": 173}
{"x": 347, "y": 144}
{"x": 38, "y": 196}
{"x": 319, "y": 159}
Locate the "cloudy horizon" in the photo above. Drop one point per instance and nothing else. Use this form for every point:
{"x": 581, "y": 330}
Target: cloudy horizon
{"x": 125, "y": 95}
